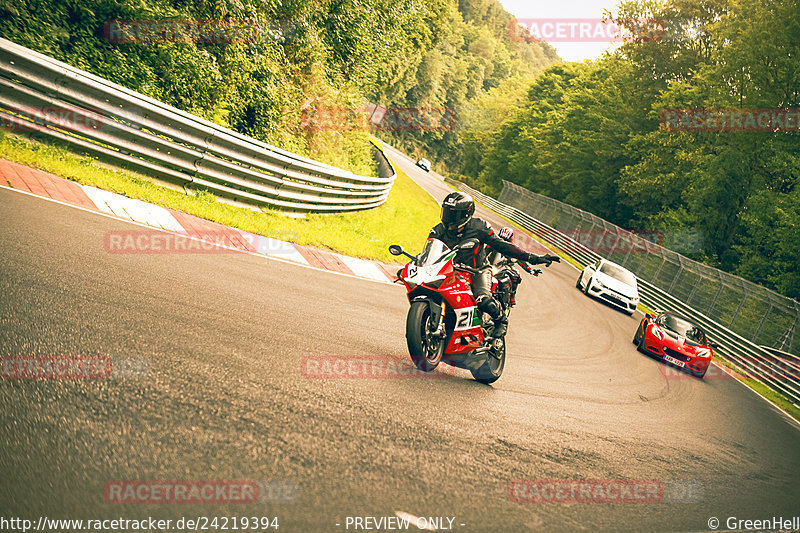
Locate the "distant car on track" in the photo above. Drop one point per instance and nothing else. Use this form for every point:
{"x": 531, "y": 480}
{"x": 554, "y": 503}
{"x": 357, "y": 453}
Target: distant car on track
{"x": 611, "y": 283}
{"x": 676, "y": 341}
{"x": 424, "y": 164}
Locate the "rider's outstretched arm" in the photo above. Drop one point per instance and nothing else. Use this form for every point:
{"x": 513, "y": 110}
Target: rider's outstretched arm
{"x": 536, "y": 259}
{"x": 488, "y": 236}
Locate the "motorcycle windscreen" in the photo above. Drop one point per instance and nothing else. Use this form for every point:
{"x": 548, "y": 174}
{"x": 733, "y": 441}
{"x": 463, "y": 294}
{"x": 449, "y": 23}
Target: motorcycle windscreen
{"x": 433, "y": 252}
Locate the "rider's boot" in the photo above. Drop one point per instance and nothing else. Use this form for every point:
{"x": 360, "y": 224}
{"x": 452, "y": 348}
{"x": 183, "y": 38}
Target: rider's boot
{"x": 489, "y": 305}
{"x": 500, "y": 327}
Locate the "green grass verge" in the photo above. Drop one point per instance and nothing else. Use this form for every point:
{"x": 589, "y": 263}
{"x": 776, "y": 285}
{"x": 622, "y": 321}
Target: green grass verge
{"x": 406, "y": 218}
{"x": 775, "y": 397}
{"x": 770, "y": 394}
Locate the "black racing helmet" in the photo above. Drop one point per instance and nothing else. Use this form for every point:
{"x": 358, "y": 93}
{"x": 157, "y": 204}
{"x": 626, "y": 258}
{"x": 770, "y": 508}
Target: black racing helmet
{"x": 457, "y": 209}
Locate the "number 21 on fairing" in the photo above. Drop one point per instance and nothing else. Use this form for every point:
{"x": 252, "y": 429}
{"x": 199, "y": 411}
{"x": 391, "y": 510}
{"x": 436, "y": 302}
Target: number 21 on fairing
{"x": 465, "y": 318}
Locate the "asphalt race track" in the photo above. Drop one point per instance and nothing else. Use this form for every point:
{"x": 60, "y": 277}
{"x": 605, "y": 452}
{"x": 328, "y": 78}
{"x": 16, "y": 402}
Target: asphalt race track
{"x": 218, "y": 392}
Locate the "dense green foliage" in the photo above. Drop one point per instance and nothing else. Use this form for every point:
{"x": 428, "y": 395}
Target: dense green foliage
{"x": 310, "y": 55}
{"x": 477, "y": 71}
{"x": 585, "y": 133}
{"x": 589, "y": 134}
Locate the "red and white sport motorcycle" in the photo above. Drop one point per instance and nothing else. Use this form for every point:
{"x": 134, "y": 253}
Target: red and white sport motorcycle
{"x": 444, "y": 324}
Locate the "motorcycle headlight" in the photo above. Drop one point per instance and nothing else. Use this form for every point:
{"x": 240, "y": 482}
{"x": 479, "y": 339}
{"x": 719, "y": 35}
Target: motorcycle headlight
{"x": 435, "y": 283}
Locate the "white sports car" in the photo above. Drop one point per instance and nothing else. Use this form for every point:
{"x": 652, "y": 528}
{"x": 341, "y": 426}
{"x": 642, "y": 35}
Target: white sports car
{"x": 611, "y": 283}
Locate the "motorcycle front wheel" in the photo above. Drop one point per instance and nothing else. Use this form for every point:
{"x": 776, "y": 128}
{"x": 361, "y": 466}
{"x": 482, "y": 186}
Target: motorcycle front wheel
{"x": 426, "y": 350}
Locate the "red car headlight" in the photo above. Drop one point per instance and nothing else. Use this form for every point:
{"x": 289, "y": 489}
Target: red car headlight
{"x": 657, "y": 333}
{"x": 703, "y": 352}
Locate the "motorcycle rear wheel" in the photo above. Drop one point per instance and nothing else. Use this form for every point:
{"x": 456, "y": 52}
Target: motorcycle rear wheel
{"x": 492, "y": 369}
{"x": 426, "y": 352}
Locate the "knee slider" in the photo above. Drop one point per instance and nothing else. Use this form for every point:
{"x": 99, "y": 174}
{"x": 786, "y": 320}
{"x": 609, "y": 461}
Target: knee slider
{"x": 487, "y": 304}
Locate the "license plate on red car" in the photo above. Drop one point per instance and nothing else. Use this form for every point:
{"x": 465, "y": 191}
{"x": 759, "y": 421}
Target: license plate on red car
{"x": 676, "y": 362}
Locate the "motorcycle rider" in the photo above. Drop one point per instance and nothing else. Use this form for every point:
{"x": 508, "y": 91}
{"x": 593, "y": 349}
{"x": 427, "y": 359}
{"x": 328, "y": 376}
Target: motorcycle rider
{"x": 459, "y": 226}
{"x": 494, "y": 257}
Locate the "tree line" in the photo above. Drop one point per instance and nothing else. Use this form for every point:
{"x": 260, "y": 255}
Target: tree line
{"x": 275, "y": 67}
{"x": 590, "y": 134}
{"x": 652, "y": 135}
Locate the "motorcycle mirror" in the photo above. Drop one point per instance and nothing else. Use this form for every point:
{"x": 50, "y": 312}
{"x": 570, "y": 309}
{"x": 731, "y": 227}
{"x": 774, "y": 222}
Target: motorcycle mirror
{"x": 396, "y": 249}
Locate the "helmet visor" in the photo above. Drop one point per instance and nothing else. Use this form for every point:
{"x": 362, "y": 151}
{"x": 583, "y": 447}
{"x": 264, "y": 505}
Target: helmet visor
{"x": 453, "y": 216}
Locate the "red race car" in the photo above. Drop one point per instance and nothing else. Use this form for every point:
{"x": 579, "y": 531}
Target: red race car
{"x": 676, "y": 341}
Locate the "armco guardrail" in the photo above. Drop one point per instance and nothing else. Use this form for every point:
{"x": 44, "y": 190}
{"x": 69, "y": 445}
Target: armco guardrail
{"x": 756, "y": 313}
{"x": 778, "y": 370}
{"x": 128, "y": 129}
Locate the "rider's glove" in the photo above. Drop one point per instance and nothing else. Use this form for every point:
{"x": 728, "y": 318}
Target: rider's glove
{"x": 536, "y": 259}
{"x": 546, "y": 259}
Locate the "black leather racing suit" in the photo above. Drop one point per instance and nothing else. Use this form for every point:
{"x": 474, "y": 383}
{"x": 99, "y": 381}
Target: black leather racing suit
{"x": 483, "y": 234}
